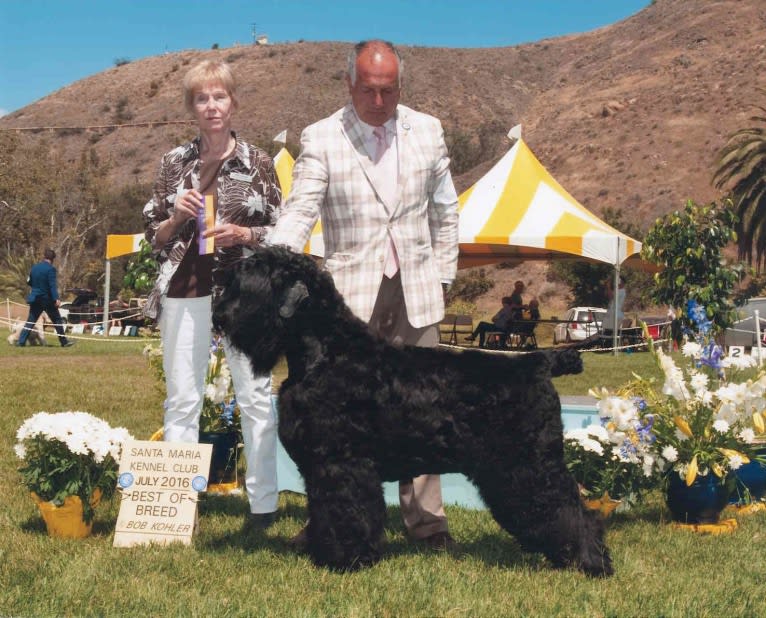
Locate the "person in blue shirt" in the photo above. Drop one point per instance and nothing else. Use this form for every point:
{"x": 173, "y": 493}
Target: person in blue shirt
{"x": 44, "y": 297}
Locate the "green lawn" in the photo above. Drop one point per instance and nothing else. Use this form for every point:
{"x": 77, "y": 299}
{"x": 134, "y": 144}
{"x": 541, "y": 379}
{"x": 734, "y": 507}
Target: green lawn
{"x": 660, "y": 571}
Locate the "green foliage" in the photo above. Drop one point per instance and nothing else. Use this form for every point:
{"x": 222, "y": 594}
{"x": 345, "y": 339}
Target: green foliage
{"x": 688, "y": 246}
{"x": 469, "y": 285}
{"x": 13, "y": 276}
{"x": 48, "y": 199}
{"x": 742, "y": 167}
{"x": 69, "y": 454}
{"x": 141, "y": 272}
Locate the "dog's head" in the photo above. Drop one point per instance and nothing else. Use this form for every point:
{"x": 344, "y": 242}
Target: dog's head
{"x": 264, "y": 299}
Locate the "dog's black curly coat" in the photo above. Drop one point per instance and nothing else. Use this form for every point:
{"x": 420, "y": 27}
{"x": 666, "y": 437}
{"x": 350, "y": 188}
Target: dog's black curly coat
{"x": 356, "y": 411}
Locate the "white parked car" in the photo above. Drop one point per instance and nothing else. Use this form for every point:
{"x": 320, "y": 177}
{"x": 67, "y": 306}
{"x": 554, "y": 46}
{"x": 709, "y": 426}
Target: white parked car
{"x": 581, "y": 323}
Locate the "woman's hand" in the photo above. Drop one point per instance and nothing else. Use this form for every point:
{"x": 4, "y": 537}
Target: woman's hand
{"x": 187, "y": 206}
{"x": 229, "y": 235}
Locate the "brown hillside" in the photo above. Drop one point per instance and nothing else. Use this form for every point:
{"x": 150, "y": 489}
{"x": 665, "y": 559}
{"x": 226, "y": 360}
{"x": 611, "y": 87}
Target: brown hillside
{"x": 628, "y": 116}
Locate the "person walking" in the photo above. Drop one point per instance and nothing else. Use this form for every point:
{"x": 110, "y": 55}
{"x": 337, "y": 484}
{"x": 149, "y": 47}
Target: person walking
{"x": 378, "y": 174}
{"x": 44, "y": 298}
{"x": 240, "y": 181}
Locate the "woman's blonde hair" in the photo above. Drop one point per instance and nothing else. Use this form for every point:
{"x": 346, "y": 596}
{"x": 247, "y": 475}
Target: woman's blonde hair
{"x": 209, "y": 72}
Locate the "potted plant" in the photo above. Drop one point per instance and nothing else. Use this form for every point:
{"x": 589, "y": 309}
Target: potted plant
{"x": 70, "y": 461}
{"x": 610, "y": 466}
{"x": 704, "y": 425}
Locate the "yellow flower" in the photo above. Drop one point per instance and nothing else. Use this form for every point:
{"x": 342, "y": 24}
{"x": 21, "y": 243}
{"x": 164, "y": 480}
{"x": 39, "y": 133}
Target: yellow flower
{"x": 717, "y": 469}
{"x": 732, "y": 453}
{"x": 691, "y": 471}
{"x": 598, "y": 393}
{"x": 758, "y": 422}
{"x": 683, "y": 426}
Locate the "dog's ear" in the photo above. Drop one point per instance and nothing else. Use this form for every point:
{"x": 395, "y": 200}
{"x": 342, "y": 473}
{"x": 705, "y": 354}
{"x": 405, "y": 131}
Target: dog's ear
{"x": 295, "y": 295}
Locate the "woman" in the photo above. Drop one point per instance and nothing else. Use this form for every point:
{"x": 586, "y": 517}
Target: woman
{"x": 242, "y": 183}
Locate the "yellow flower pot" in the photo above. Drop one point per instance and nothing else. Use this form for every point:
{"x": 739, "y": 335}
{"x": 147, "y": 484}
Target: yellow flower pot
{"x": 66, "y": 521}
{"x": 604, "y": 505}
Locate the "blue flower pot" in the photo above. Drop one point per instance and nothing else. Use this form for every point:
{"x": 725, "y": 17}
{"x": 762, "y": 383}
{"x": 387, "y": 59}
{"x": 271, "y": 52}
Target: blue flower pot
{"x": 223, "y": 463}
{"x": 751, "y": 478}
{"x": 699, "y": 503}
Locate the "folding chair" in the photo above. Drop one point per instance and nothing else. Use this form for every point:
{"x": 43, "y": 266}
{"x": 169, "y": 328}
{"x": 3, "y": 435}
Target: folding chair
{"x": 463, "y": 326}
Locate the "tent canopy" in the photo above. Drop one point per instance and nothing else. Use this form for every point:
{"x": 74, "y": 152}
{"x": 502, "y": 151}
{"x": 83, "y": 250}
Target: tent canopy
{"x": 516, "y": 211}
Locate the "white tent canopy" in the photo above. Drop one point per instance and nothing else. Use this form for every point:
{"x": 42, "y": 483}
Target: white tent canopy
{"x": 518, "y": 210}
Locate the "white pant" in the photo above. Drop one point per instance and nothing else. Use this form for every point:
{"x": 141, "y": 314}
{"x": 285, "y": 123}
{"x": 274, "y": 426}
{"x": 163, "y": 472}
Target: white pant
{"x": 185, "y": 325}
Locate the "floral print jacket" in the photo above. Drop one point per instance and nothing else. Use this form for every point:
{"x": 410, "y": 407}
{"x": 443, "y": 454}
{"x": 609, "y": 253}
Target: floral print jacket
{"x": 248, "y": 195}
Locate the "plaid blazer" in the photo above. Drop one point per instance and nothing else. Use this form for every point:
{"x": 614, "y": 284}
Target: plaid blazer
{"x": 332, "y": 178}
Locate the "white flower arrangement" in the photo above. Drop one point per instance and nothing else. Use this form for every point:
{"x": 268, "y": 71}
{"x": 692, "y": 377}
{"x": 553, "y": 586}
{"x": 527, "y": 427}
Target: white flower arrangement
{"x": 69, "y": 454}
{"x": 701, "y": 422}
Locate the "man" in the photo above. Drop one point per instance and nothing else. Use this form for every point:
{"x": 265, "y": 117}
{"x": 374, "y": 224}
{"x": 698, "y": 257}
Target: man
{"x": 517, "y": 301}
{"x": 44, "y": 297}
{"x": 378, "y": 174}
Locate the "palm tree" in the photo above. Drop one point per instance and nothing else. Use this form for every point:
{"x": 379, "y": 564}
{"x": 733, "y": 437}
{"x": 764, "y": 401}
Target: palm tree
{"x": 742, "y": 167}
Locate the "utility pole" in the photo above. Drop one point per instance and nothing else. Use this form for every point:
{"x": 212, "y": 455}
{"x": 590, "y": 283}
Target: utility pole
{"x": 255, "y": 33}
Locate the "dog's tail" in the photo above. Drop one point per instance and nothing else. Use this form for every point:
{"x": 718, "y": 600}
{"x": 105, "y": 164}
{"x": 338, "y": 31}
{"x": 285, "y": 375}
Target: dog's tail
{"x": 565, "y": 361}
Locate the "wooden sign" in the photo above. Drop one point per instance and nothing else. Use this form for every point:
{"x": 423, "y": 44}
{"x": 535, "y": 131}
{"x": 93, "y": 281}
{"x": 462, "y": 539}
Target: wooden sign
{"x": 159, "y": 485}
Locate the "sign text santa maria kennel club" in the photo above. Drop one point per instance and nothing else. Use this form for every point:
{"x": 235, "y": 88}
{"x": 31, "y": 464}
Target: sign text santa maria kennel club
{"x": 159, "y": 484}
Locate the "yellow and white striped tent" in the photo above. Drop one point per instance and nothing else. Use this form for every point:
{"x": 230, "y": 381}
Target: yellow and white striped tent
{"x": 283, "y": 163}
{"x": 516, "y": 211}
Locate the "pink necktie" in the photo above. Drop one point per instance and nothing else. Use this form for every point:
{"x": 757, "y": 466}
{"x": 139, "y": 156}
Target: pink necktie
{"x": 391, "y": 266}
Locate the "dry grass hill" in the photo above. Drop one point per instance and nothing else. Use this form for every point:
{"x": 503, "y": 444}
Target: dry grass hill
{"x": 629, "y": 116}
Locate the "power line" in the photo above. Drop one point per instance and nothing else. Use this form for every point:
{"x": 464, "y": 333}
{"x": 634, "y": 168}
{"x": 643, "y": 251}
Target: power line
{"x": 127, "y": 125}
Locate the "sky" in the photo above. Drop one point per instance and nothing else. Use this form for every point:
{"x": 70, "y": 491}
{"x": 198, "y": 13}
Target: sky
{"x": 48, "y": 44}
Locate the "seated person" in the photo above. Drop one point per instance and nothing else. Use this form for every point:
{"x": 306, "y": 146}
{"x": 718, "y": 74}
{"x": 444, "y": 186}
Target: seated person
{"x": 499, "y": 322}
{"x": 525, "y": 327}
{"x": 533, "y": 310}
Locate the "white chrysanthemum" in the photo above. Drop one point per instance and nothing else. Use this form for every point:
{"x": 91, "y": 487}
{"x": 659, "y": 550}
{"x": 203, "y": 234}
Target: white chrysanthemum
{"x": 680, "y": 435}
{"x": 674, "y": 385}
{"x": 622, "y": 412}
{"x": 733, "y": 393}
{"x": 698, "y": 381}
{"x": 728, "y": 412}
{"x": 691, "y": 349}
{"x": 77, "y": 445}
{"x": 210, "y": 391}
{"x": 648, "y": 464}
{"x": 597, "y": 431}
{"x": 594, "y": 446}
{"x": 747, "y": 435}
{"x": 670, "y": 454}
{"x": 739, "y": 362}
{"x": 735, "y": 462}
{"x": 578, "y": 434}
{"x": 721, "y": 426}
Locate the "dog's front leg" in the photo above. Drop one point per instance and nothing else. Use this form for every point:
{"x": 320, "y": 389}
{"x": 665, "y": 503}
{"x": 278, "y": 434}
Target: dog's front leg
{"x": 346, "y": 514}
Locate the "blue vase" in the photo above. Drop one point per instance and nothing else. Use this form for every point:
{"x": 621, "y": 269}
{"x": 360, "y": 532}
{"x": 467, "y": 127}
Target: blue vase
{"x": 699, "y": 503}
{"x": 223, "y": 463}
{"x": 751, "y": 478}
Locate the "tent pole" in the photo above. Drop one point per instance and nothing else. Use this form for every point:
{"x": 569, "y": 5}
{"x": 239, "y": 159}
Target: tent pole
{"x": 106, "y": 299}
{"x": 615, "y": 296}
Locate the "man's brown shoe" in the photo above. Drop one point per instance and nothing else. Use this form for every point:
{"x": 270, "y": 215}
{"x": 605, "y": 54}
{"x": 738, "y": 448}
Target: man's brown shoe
{"x": 440, "y": 541}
